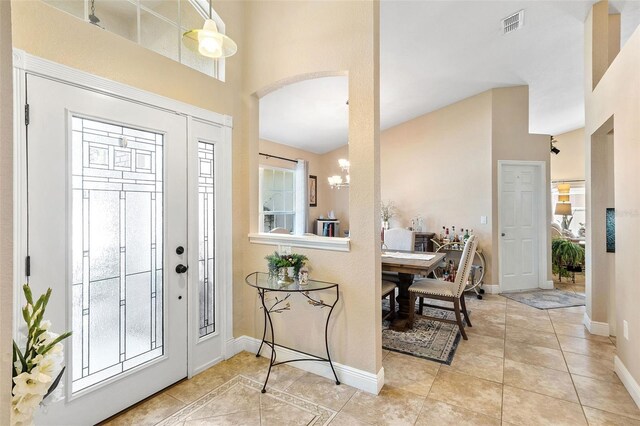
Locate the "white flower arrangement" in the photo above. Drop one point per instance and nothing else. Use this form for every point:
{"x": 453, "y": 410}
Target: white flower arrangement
{"x": 387, "y": 210}
{"x": 36, "y": 371}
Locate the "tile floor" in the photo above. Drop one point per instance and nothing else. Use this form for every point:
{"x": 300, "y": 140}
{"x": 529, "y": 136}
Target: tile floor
{"x": 520, "y": 366}
{"x": 568, "y": 284}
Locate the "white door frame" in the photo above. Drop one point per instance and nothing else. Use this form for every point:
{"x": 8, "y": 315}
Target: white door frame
{"x": 24, "y": 64}
{"x": 543, "y": 227}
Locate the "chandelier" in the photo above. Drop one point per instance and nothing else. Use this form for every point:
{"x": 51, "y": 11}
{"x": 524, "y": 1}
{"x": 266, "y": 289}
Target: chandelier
{"x": 337, "y": 181}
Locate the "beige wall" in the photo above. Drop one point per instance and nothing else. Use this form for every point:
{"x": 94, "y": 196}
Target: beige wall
{"x": 443, "y": 165}
{"x": 617, "y": 96}
{"x": 333, "y": 199}
{"x": 269, "y": 55}
{"x": 320, "y": 165}
{"x": 569, "y": 164}
{"x": 436, "y": 167}
{"x": 67, "y": 40}
{"x": 6, "y": 209}
{"x": 285, "y": 151}
{"x": 512, "y": 141}
{"x": 293, "y": 49}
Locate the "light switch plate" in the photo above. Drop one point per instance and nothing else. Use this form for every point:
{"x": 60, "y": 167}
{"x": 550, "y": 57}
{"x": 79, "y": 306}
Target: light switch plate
{"x": 483, "y": 220}
{"x": 625, "y": 329}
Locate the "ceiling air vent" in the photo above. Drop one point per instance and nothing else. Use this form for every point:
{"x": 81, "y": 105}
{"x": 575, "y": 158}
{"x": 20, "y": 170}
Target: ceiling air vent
{"x": 513, "y": 22}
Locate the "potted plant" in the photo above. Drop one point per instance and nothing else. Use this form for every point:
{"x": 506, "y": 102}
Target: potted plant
{"x": 565, "y": 255}
{"x": 286, "y": 266}
{"x": 36, "y": 370}
{"x": 387, "y": 210}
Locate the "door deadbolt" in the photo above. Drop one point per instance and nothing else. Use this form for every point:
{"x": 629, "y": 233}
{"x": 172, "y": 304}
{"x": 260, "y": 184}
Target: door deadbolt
{"x": 179, "y": 250}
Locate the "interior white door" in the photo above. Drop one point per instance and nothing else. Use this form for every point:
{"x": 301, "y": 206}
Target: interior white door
{"x": 519, "y": 227}
{"x": 107, "y": 209}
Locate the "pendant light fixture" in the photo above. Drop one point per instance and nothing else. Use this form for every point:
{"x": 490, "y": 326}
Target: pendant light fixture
{"x": 93, "y": 19}
{"x": 208, "y": 41}
{"x": 337, "y": 181}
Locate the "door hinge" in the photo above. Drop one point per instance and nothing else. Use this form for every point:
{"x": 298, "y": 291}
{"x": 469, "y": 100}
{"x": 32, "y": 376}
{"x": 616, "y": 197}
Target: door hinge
{"x": 27, "y": 266}
{"x": 26, "y": 114}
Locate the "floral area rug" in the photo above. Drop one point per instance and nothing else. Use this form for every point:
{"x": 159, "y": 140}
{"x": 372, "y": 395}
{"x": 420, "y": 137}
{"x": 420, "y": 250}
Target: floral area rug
{"x": 239, "y": 401}
{"x": 428, "y": 339}
{"x": 547, "y": 299}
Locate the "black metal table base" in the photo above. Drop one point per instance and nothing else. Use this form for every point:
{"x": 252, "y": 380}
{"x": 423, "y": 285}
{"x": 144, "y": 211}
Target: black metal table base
{"x": 277, "y": 307}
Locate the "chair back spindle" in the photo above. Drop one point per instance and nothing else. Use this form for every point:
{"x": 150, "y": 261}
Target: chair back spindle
{"x": 464, "y": 268}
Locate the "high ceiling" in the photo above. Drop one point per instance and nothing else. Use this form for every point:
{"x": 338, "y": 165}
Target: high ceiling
{"x": 435, "y": 53}
{"x": 312, "y": 115}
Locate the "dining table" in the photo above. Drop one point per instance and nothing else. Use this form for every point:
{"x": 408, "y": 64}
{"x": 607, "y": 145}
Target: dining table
{"x": 407, "y": 265}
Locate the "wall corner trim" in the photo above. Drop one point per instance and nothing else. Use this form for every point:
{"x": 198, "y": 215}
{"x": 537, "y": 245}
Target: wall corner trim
{"x": 491, "y": 288}
{"x": 627, "y": 379}
{"x": 380, "y": 378}
{"x": 547, "y": 285}
{"x": 18, "y": 59}
{"x": 595, "y": 327}
{"x": 305, "y": 241}
{"x": 363, "y": 380}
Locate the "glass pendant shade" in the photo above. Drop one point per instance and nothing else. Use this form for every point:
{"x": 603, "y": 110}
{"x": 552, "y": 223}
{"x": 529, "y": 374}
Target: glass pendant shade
{"x": 563, "y": 188}
{"x": 209, "y": 42}
{"x": 563, "y": 198}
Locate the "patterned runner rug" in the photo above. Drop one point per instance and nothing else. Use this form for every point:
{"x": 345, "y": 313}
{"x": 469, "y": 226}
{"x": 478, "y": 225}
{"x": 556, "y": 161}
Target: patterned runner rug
{"x": 240, "y": 402}
{"x": 428, "y": 339}
{"x": 547, "y": 299}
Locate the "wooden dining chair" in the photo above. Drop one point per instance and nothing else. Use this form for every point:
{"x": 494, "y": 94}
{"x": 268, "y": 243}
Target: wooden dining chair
{"x": 429, "y": 288}
{"x": 397, "y": 239}
{"x": 389, "y": 290}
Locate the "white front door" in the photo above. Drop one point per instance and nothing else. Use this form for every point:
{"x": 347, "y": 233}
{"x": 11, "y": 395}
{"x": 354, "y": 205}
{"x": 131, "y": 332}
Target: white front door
{"x": 107, "y": 210}
{"x": 519, "y": 227}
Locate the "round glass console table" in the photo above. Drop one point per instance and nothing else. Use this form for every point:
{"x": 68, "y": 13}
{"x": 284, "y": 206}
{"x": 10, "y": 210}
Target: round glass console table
{"x": 265, "y": 283}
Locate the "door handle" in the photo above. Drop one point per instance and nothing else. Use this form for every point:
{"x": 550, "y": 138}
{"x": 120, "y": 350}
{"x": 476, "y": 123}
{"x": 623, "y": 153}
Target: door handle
{"x": 181, "y": 269}
{"x": 503, "y": 234}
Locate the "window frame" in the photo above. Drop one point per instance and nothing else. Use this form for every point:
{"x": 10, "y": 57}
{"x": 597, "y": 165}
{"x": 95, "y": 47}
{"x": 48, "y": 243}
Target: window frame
{"x": 261, "y": 211}
{"x": 200, "y": 6}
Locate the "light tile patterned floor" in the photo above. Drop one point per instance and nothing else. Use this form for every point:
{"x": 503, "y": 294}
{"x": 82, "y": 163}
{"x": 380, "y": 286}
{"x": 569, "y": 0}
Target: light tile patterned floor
{"x": 520, "y": 366}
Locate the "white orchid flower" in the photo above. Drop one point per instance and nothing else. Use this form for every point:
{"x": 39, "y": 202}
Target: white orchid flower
{"x": 28, "y": 403}
{"x": 26, "y": 383}
{"x": 20, "y": 417}
{"x": 49, "y": 365}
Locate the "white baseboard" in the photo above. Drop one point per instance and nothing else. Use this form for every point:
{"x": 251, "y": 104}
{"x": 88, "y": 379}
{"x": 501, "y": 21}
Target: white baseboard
{"x": 627, "y": 379}
{"x": 491, "y": 288}
{"x": 206, "y": 366}
{"x": 359, "y": 379}
{"x": 495, "y": 288}
{"x": 595, "y": 327}
{"x": 547, "y": 285}
{"x": 235, "y": 346}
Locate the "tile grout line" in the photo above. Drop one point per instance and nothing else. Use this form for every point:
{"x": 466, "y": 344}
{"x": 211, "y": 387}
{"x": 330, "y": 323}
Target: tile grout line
{"x": 504, "y": 360}
{"x": 575, "y": 389}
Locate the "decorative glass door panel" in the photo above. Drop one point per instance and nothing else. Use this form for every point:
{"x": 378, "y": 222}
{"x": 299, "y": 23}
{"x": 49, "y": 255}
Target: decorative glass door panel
{"x": 206, "y": 238}
{"x": 106, "y": 180}
{"x": 121, "y": 212}
{"x": 117, "y": 222}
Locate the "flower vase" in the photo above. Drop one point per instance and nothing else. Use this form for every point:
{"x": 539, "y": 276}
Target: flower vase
{"x": 286, "y": 275}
